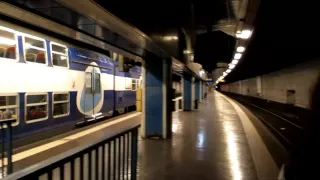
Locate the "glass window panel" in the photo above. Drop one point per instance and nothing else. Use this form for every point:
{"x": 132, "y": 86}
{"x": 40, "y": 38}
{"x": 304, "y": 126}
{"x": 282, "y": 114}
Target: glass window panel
{"x": 97, "y": 83}
{"x": 60, "y": 109}
{"x": 61, "y": 97}
{"x": 134, "y": 86}
{"x": 128, "y": 83}
{"x": 8, "y": 113}
{"x": 8, "y": 100}
{"x": 35, "y": 55}
{"x": 138, "y": 83}
{"x": 33, "y": 42}
{"x": 60, "y": 49}
{"x": 36, "y": 112}
{"x": 59, "y": 60}
{"x": 36, "y": 99}
{"x": 7, "y": 45}
{"x": 89, "y": 82}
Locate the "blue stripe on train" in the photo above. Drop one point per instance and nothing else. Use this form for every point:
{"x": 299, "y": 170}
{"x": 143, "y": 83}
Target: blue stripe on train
{"x": 126, "y": 98}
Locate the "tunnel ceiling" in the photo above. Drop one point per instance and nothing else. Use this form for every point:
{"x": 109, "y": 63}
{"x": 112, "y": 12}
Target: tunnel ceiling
{"x": 164, "y": 16}
{"x": 285, "y": 34}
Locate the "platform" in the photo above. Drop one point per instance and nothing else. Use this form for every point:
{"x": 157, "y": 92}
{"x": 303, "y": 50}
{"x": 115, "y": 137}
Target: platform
{"x": 217, "y": 141}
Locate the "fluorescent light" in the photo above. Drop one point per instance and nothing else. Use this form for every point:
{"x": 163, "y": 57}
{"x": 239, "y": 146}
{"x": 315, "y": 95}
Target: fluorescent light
{"x": 228, "y": 70}
{"x": 237, "y": 56}
{"x": 241, "y": 49}
{"x": 234, "y": 61}
{"x": 245, "y": 34}
{"x": 186, "y": 52}
{"x": 170, "y": 38}
{"x": 232, "y": 66}
{"x": 7, "y": 41}
{"x": 225, "y": 74}
{"x": 201, "y": 72}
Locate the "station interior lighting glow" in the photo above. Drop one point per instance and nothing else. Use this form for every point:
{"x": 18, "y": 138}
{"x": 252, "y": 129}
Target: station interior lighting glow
{"x": 237, "y": 56}
{"x": 228, "y": 70}
{"x": 225, "y": 73}
{"x": 241, "y": 49}
{"x": 234, "y": 61}
{"x": 232, "y": 66}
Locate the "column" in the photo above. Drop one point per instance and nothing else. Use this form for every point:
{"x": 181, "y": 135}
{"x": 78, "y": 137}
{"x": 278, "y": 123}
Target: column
{"x": 188, "y": 92}
{"x": 202, "y": 90}
{"x": 156, "y": 120}
{"x": 197, "y": 90}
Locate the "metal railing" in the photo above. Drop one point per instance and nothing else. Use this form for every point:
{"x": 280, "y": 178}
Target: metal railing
{"x": 177, "y": 104}
{"x": 112, "y": 157}
{"x": 6, "y": 146}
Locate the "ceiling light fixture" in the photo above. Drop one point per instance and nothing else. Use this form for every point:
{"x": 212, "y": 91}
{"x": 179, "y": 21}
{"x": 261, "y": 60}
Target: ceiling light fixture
{"x": 232, "y": 66}
{"x": 245, "y": 34}
{"x": 228, "y": 70}
{"x": 241, "y": 49}
{"x": 170, "y": 38}
{"x": 234, "y": 61}
{"x": 237, "y": 56}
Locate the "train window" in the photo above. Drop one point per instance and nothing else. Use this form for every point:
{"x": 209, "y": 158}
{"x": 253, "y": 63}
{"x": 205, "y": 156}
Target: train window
{"x": 134, "y": 84}
{"x": 8, "y": 44}
{"x": 9, "y": 107}
{"x": 61, "y": 104}
{"x": 35, "y": 50}
{"x": 128, "y": 83}
{"x": 36, "y": 107}
{"x": 115, "y": 56}
{"x": 97, "y": 88}
{"x": 59, "y": 55}
{"x": 88, "y": 83}
{"x": 138, "y": 83}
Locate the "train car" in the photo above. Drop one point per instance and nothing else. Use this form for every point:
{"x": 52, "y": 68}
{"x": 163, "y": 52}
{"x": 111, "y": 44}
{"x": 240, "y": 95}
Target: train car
{"x": 50, "y": 86}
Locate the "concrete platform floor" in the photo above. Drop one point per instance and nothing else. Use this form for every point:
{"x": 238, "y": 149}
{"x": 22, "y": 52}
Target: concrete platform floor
{"x": 208, "y": 143}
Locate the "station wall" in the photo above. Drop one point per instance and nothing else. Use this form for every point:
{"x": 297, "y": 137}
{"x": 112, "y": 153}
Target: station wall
{"x": 293, "y": 85}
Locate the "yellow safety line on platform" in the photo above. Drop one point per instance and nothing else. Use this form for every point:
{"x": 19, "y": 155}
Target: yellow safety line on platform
{"x": 44, "y": 147}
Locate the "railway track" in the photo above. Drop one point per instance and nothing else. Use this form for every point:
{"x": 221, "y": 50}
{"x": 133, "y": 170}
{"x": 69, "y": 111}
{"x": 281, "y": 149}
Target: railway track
{"x": 286, "y": 130}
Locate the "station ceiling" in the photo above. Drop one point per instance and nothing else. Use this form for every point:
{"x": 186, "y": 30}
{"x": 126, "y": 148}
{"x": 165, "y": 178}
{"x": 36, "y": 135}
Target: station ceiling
{"x": 285, "y": 32}
{"x": 164, "y": 16}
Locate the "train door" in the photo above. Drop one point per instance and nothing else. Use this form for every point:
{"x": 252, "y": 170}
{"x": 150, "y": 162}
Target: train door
{"x": 93, "y": 94}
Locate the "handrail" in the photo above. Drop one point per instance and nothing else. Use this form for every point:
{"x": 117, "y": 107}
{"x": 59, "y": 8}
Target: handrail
{"x": 6, "y": 145}
{"x": 115, "y": 140}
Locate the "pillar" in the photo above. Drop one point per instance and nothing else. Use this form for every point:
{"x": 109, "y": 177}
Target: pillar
{"x": 202, "y": 90}
{"x": 156, "y": 118}
{"x": 198, "y": 90}
{"x": 188, "y": 92}
{"x": 205, "y": 88}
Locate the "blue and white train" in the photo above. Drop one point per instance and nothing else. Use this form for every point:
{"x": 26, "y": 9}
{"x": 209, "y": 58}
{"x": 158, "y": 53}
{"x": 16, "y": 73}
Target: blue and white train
{"x": 47, "y": 84}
